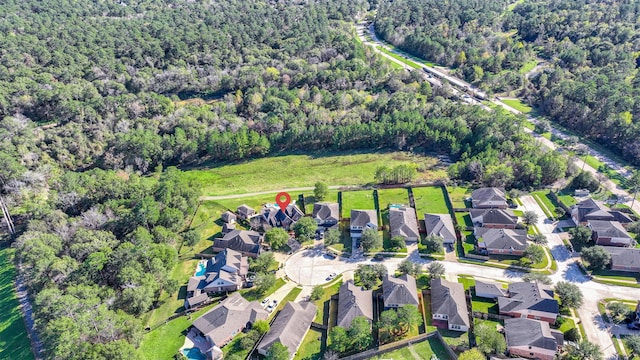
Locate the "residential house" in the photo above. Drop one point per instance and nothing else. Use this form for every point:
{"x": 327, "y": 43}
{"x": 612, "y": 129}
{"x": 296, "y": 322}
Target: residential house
{"x": 196, "y": 300}
{"x": 271, "y": 216}
{"x": 532, "y": 339}
{"x": 449, "y": 305}
{"x": 489, "y": 290}
{"x": 195, "y": 285}
{"x": 529, "y": 300}
{"x": 403, "y": 222}
{"x": 494, "y": 218}
{"x": 488, "y": 198}
{"x": 363, "y": 219}
{"x": 228, "y": 217}
{"x": 609, "y": 233}
{"x": 226, "y": 272}
{"x": 247, "y": 242}
{"x": 501, "y": 241}
{"x": 589, "y": 209}
{"x": 400, "y": 291}
{"x": 440, "y": 225}
{"x": 220, "y": 324}
{"x": 289, "y": 327}
{"x": 326, "y": 214}
{"x": 624, "y": 259}
{"x": 245, "y": 212}
{"x": 353, "y": 301}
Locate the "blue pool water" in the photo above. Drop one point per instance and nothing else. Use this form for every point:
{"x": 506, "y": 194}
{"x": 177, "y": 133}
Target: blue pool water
{"x": 201, "y": 270}
{"x": 194, "y": 354}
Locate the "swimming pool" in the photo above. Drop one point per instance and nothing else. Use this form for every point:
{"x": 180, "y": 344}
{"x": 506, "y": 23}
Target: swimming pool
{"x": 194, "y": 354}
{"x": 201, "y": 269}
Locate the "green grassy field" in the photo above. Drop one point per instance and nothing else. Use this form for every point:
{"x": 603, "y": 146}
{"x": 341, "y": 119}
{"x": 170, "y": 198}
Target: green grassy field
{"x": 165, "y": 341}
{"x": 289, "y": 171}
{"x": 310, "y": 347}
{"x": 528, "y": 66}
{"x": 422, "y": 350}
{"x": 14, "y": 343}
{"x": 400, "y": 58}
{"x": 358, "y": 200}
{"x": 518, "y": 105}
{"x": 545, "y": 201}
{"x": 457, "y": 196}
{"x": 430, "y": 200}
{"x": 387, "y": 197}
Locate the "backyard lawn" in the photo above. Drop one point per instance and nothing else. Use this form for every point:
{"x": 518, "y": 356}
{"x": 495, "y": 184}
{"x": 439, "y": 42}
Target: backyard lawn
{"x": 310, "y": 347}
{"x": 422, "y": 350}
{"x": 289, "y": 171}
{"x": 14, "y": 343}
{"x": 458, "y": 196}
{"x": 358, "y": 200}
{"x": 430, "y": 200}
{"x": 387, "y": 197}
{"x": 326, "y": 297}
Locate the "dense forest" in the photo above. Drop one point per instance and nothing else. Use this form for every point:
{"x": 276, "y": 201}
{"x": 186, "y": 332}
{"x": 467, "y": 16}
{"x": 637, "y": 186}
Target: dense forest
{"x": 591, "y": 84}
{"x": 98, "y": 100}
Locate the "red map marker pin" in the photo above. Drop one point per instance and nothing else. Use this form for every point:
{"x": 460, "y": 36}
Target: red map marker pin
{"x": 283, "y": 199}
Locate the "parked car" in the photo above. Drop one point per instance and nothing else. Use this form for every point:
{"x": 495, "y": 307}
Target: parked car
{"x": 331, "y": 276}
{"x": 331, "y": 254}
{"x": 270, "y": 308}
{"x": 264, "y": 302}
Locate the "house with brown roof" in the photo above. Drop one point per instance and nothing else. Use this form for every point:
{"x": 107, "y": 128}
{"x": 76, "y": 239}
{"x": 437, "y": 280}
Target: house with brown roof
{"x": 589, "y": 209}
{"x": 440, "y": 225}
{"x": 449, "y": 305}
{"x": 400, "y": 291}
{"x": 403, "y": 222}
{"x": 624, "y": 259}
{"x": 488, "y": 198}
{"x": 494, "y": 218}
{"x": 609, "y": 233}
{"x": 220, "y": 324}
{"x": 326, "y": 214}
{"x": 362, "y": 219}
{"x": 245, "y": 212}
{"x": 532, "y": 339}
{"x": 289, "y": 327}
{"x": 354, "y": 301}
{"x": 246, "y": 242}
{"x": 529, "y": 300}
{"x": 501, "y": 241}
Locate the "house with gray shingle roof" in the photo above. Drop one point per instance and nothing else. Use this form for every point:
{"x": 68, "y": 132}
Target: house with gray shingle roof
{"x": 532, "y": 339}
{"x": 403, "y": 222}
{"x": 440, "y": 225}
{"x": 326, "y": 214}
{"x": 488, "y": 198}
{"x": 245, "y": 211}
{"x": 531, "y": 300}
{"x": 195, "y": 300}
{"x": 289, "y": 327}
{"x": 400, "y": 291}
{"x": 247, "y": 242}
{"x": 362, "y": 219}
{"x": 272, "y": 216}
{"x": 609, "y": 233}
{"x": 220, "y": 324}
{"x": 353, "y": 301}
{"x": 501, "y": 241}
{"x": 589, "y": 209}
{"x": 449, "y": 304}
{"x": 494, "y": 218}
{"x": 489, "y": 290}
{"x": 228, "y": 217}
{"x": 624, "y": 259}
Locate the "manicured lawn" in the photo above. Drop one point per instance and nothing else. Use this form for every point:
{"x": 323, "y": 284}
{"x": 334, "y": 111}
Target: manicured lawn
{"x": 14, "y": 343}
{"x": 165, "y": 341}
{"x": 467, "y": 282}
{"x": 464, "y": 219}
{"x": 292, "y": 295}
{"x": 253, "y": 294}
{"x": 430, "y": 200}
{"x": 324, "y": 301}
{"x": 458, "y": 196}
{"x": 567, "y": 325}
{"x": 387, "y": 197}
{"x": 300, "y": 170}
{"x": 546, "y": 203}
{"x": 358, "y": 200}
{"x": 528, "y": 66}
{"x": 518, "y": 105}
{"x": 454, "y": 338}
{"x": 422, "y": 350}
{"x": 484, "y": 305}
{"x": 617, "y": 275}
{"x": 310, "y": 347}
{"x": 567, "y": 200}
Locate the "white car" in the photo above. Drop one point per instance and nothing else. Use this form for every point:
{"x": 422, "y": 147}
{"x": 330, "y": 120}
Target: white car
{"x": 264, "y": 302}
{"x": 270, "y": 307}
